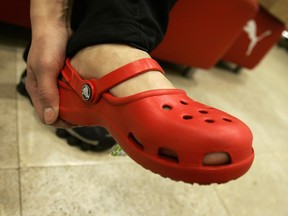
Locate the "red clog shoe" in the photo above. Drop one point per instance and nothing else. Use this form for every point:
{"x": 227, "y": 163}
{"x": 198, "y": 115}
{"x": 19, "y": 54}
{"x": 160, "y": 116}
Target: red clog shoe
{"x": 163, "y": 130}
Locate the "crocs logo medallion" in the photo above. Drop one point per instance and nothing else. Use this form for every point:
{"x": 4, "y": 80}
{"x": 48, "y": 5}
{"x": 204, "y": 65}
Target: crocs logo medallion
{"x": 86, "y": 92}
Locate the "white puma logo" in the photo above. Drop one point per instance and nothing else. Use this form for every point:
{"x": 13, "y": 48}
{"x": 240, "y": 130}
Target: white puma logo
{"x": 251, "y": 30}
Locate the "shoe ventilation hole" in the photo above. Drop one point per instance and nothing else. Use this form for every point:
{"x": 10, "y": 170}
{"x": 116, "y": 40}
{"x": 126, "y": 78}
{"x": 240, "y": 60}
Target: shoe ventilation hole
{"x": 209, "y": 121}
{"x": 227, "y": 119}
{"x": 216, "y": 159}
{"x": 168, "y": 154}
{"x": 136, "y": 141}
{"x": 167, "y": 107}
{"x": 183, "y": 102}
{"x": 187, "y": 117}
{"x": 203, "y": 111}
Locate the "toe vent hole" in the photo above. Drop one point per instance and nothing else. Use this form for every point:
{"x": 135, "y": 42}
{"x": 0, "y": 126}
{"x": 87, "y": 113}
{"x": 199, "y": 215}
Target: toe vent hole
{"x": 166, "y": 107}
{"x": 217, "y": 159}
{"x": 209, "y": 121}
{"x": 203, "y": 111}
{"x": 168, "y": 154}
{"x": 187, "y": 117}
{"x": 136, "y": 141}
{"x": 184, "y": 102}
{"x": 227, "y": 119}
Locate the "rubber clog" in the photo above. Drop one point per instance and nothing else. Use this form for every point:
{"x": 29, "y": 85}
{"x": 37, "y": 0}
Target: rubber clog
{"x": 163, "y": 130}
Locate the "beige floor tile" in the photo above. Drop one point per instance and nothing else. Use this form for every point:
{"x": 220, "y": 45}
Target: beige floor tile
{"x": 8, "y": 120}
{"x": 262, "y": 192}
{"x": 9, "y": 193}
{"x": 112, "y": 189}
{"x": 21, "y": 65}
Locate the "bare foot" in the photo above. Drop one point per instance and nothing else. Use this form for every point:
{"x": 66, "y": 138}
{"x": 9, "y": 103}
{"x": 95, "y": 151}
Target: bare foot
{"x": 99, "y": 60}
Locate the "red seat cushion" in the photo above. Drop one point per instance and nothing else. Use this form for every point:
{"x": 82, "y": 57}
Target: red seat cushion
{"x": 15, "y": 12}
{"x": 200, "y": 32}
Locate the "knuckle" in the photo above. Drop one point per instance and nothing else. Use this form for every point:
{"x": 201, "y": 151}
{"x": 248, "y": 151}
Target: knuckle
{"x": 38, "y": 64}
{"x": 46, "y": 63}
{"x": 43, "y": 95}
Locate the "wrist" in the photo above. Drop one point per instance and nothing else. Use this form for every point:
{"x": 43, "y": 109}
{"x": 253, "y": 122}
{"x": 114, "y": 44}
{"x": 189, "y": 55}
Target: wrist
{"x": 50, "y": 12}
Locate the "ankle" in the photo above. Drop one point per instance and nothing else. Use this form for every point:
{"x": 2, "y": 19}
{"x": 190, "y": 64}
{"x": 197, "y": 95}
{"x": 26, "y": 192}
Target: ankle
{"x": 99, "y": 60}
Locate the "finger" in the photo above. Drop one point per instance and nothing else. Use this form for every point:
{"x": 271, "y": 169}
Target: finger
{"x": 48, "y": 96}
{"x": 43, "y": 90}
{"x": 32, "y": 89}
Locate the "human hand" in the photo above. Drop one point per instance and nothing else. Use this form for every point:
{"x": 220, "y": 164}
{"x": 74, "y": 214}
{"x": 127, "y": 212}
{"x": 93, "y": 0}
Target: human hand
{"x": 50, "y": 33}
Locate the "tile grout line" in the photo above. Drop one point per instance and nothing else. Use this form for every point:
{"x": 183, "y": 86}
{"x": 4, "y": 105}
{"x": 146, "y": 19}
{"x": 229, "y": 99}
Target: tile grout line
{"x": 223, "y": 202}
{"x": 76, "y": 165}
{"x": 17, "y": 138}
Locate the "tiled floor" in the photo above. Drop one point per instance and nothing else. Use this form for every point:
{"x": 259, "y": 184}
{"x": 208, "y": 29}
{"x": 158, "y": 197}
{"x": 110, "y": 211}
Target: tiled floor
{"x": 41, "y": 175}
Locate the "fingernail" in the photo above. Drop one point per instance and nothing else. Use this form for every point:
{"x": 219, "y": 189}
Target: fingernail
{"x": 49, "y": 115}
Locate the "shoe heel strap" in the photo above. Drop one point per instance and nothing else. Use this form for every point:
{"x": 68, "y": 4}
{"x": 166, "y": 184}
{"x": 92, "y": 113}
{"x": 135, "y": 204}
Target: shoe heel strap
{"x": 91, "y": 90}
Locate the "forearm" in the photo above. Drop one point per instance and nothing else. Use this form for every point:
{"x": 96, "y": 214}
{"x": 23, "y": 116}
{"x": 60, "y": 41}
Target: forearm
{"x": 49, "y": 13}
{"x": 50, "y": 31}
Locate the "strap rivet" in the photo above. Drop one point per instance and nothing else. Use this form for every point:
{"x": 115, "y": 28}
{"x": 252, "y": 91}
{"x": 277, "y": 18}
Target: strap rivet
{"x": 86, "y": 92}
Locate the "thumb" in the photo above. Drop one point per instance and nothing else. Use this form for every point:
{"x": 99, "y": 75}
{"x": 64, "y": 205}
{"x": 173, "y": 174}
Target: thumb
{"x": 43, "y": 91}
{"x": 48, "y": 96}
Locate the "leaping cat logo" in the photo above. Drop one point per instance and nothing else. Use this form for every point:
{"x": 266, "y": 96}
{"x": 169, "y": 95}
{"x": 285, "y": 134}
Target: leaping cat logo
{"x": 251, "y": 30}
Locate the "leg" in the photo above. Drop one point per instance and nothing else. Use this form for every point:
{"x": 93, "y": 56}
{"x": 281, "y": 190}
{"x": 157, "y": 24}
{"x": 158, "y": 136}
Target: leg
{"x": 124, "y": 33}
{"x": 142, "y": 32}
{"x": 99, "y": 47}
